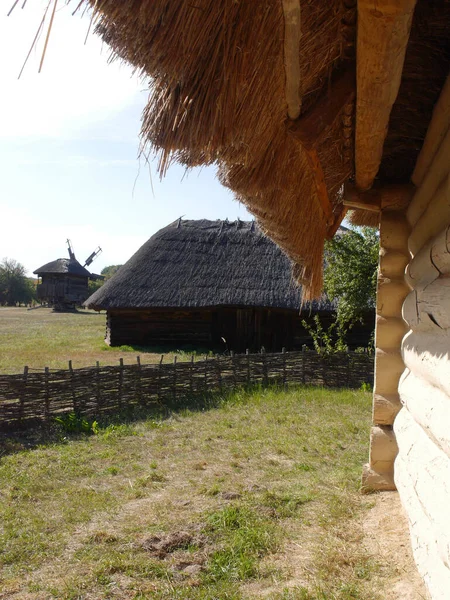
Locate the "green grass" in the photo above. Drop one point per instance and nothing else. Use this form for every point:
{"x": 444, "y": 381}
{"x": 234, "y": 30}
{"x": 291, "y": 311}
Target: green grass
{"x": 42, "y": 338}
{"x": 265, "y": 484}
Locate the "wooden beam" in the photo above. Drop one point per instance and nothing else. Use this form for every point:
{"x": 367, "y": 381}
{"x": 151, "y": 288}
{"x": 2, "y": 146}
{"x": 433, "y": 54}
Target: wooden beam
{"x": 338, "y": 220}
{"x": 392, "y": 197}
{"x": 438, "y": 127}
{"x": 382, "y": 37}
{"x": 315, "y": 124}
{"x": 292, "y": 35}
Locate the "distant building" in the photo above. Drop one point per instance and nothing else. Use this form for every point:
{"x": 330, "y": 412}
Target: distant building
{"x": 64, "y": 283}
{"x": 209, "y": 284}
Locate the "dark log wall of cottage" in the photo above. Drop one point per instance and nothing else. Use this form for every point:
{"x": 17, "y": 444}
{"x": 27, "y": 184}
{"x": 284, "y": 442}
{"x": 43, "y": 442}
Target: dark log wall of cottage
{"x": 240, "y": 328}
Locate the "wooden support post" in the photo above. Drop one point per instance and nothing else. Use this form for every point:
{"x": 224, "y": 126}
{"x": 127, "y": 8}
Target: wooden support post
{"x": 174, "y": 381}
{"x": 390, "y": 328}
{"x": 191, "y": 383}
{"x": 248, "y": 368}
{"x": 98, "y": 388}
{"x": 120, "y": 385}
{"x": 292, "y": 34}
{"x": 139, "y": 380}
{"x": 76, "y": 408}
{"x": 46, "y": 396}
{"x": 382, "y": 37}
{"x": 23, "y": 394}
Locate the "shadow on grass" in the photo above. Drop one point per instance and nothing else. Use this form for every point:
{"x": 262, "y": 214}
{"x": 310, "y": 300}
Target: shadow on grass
{"x": 39, "y": 434}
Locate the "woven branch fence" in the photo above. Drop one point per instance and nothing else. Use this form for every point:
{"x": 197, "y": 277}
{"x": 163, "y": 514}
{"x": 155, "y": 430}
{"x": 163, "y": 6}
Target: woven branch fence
{"x": 41, "y": 396}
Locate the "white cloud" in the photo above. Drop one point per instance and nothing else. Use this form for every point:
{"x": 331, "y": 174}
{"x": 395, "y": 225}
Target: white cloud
{"x": 77, "y": 87}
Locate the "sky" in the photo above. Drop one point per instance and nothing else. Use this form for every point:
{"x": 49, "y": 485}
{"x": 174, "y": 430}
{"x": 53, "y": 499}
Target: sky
{"x": 69, "y": 146}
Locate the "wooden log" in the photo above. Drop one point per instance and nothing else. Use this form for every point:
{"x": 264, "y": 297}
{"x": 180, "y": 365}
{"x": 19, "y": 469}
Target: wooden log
{"x": 390, "y": 296}
{"x": 382, "y": 37}
{"x": 437, "y": 172}
{"x": 431, "y": 260}
{"x": 437, "y": 129}
{"x": 423, "y": 537}
{"x": 392, "y": 197}
{"x": 383, "y": 449}
{"x": 427, "y": 355}
{"x": 314, "y": 125}
{"x": 46, "y": 396}
{"x": 373, "y": 481}
{"x": 428, "y": 468}
{"x": 435, "y": 217}
{"x": 23, "y": 394}
{"x": 429, "y": 406}
{"x": 427, "y": 309}
{"x": 389, "y": 332}
{"x": 385, "y": 408}
{"x": 388, "y": 368}
{"x": 292, "y": 35}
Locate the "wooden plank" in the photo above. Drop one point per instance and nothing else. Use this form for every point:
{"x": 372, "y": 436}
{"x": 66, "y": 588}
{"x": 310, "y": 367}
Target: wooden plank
{"x": 292, "y": 35}
{"x": 438, "y": 127}
{"x": 313, "y": 126}
{"x": 382, "y": 37}
{"x": 388, "y": 197}
{"x": 338, "y": 220}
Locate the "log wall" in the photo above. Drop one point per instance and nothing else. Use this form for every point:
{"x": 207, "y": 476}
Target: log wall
{"x": 223, "y": 328}
{"x": 390, "y": 329}
{"x": 422, "y": 427}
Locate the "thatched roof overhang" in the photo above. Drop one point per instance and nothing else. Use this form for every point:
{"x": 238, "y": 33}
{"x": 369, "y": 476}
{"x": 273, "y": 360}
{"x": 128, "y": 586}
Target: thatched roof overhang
{"x": 204, "y": 264}
{"x": 63, "y": 266}
{"x": 266, "y": 91}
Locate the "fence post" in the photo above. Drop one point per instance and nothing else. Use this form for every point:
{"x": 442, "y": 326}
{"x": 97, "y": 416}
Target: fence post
{"x": 46, "y": 396}
{"x": 72, "y": 389}
{"x": 348, "y": 369}
{"x": 174, "y": 382}
{"x": 191, "y": 388}
{"x": 23, "y": 394}
{"x": 303, "y": 365}
{"x": 248, "y": 367}
{"x": 206, "y": 373}
{"x": 233, "y": 368}
{"x": 159, "y": 377}
{"x": 284, "y": 367}
{"x": 139, "y": 380}
{"x": 98, "y": 389}
{"x": 219, "y": 373}
{"x": 264, "y": 364}
{"x": 120, "y": 383}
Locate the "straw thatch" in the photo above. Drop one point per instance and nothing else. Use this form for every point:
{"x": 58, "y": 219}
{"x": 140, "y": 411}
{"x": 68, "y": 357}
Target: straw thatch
{"x": 61, "y": 266}
{"x": 218, "y": 96}
{"x": 198, "y": 264}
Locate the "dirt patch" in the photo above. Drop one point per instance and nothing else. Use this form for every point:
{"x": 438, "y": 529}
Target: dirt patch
{"x": 386, "y": 536}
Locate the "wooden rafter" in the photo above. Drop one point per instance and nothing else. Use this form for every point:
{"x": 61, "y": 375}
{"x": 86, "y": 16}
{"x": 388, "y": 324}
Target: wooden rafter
{"x": 394, "y": 196}
{"x": 319, "y": 181}
{"x": 337, "y": 221}
{"x": 382, "y": 37}
{"x": 314, "y": 125}
{"x": 292, "y": 34}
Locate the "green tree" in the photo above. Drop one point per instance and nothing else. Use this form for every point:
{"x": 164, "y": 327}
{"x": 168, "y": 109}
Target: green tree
{"x": 15, "y": 286}
{"x": 107, "y": 273}
{"x": 350, "y": 275}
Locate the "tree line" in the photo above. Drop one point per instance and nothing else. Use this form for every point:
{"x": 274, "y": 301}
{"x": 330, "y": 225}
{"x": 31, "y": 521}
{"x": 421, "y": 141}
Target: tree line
{"x": 15, "y": 286}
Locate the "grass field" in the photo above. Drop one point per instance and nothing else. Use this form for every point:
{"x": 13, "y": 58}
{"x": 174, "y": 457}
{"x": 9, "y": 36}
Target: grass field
{"x": 255, "y": 496}
{"x": 41, "y": 338}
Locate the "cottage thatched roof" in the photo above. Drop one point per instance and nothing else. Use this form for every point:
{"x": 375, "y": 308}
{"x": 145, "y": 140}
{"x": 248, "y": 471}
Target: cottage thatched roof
{"x": 291, "y": 99}
{"x": 192, "y": 264}
{"x": 61, "y": 266}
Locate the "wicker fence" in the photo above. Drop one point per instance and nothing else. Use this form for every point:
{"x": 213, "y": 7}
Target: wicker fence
{"x": 40, "y": 396}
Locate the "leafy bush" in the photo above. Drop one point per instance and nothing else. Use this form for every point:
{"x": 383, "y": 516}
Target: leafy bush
{"x": 72, "y": 423}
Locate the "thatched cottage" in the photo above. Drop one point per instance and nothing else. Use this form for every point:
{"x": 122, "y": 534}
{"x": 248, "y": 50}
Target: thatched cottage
{"x": 210, "y": 284}
{"x": 310, "y": 109}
